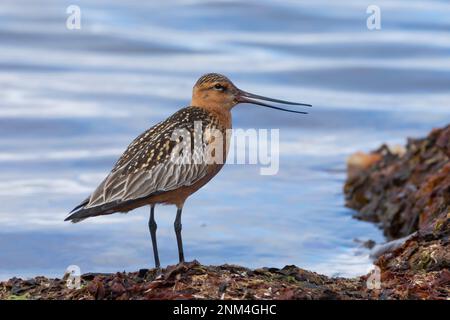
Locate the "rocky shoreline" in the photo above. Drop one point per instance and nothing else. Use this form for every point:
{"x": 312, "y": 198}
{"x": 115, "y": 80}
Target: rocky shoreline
{"x": 404, "y": 190}
{"x": 407, "y": 192}
{"x": 192, "y": 281}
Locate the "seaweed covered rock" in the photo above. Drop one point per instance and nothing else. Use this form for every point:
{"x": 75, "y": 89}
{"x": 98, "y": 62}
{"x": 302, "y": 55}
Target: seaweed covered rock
{"x": 191, "y": 281}
{"x": 420, "y": 268}
{"x": 402, "y": 191}
{"x": 397, "y": 280}
{"x": 408, "y": 192}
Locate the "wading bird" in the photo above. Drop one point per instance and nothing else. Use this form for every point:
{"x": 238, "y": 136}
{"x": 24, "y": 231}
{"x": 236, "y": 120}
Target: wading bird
{"x": 147, "y": 173}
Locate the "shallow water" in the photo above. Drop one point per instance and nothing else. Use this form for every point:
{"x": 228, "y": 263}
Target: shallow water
{"x": 71, "y": 101}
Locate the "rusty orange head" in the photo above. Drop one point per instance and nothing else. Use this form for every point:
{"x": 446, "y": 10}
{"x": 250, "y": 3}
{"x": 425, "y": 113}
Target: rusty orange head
{"x": 216, "y": 90}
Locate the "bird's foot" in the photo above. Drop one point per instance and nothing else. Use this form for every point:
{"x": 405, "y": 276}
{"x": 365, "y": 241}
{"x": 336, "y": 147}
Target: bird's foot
{"x": 158, "y": 272}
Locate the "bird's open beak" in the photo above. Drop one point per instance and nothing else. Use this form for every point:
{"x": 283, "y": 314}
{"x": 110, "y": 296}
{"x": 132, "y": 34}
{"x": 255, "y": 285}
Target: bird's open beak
{"x": 246, "y": 97}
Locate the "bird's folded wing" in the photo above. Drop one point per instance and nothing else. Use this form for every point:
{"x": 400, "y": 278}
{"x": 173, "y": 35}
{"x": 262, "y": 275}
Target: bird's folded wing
{"x": 148, "y": 166}
{"x": 163, "y": 177}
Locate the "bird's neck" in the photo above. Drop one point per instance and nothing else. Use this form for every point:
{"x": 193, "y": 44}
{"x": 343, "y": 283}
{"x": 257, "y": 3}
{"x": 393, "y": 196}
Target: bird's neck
{"x": 222, "y": 114}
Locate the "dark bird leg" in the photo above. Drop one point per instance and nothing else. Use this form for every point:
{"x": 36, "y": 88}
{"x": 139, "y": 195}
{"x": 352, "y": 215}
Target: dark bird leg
{"x": 152, "y": 227}
{"x": 177, "y": 225}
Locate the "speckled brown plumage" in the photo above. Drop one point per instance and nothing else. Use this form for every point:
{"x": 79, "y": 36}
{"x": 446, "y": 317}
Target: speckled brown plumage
{"x": 212, "y": 78}
{"x": 145, "y": 172}
{"x": 154, "y": 146}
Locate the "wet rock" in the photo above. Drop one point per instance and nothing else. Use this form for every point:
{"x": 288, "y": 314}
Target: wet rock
{"x": 195, "y": 281}
{"x": 404, "y": 192}
{"x": 409, "y": 194}
{"x": 96, "y": 288}
{"x": 360, "y": 161}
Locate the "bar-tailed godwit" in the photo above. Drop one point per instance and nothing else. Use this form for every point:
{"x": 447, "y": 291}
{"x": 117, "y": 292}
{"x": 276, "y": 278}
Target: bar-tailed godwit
{"x": 147, "y": 173}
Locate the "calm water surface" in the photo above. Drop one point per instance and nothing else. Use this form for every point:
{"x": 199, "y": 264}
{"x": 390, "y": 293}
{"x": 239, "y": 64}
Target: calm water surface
{"x": 71, "y": 101}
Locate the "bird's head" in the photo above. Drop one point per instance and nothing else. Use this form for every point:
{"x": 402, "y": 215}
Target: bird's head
{"x": 214, "y": 90}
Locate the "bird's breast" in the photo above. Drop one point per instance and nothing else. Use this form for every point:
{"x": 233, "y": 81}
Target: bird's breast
{"x": 217, "y": 136}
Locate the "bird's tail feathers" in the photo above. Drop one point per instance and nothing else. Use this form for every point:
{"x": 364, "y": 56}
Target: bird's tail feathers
{"x": 80, "y": 212}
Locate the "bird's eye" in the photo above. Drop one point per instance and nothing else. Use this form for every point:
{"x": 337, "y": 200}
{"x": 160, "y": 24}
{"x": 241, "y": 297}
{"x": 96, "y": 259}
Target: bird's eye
{"x": 219, "y": 87}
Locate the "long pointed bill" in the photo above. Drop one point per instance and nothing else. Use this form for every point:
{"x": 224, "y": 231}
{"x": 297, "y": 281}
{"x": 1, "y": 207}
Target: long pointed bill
{"x": 246, "y": 97}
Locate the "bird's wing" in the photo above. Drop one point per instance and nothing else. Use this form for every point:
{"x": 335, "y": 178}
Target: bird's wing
{"x": 147, "y": 167}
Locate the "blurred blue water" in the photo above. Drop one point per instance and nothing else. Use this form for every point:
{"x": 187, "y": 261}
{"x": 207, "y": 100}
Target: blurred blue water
{"x": 71, "y": 101}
